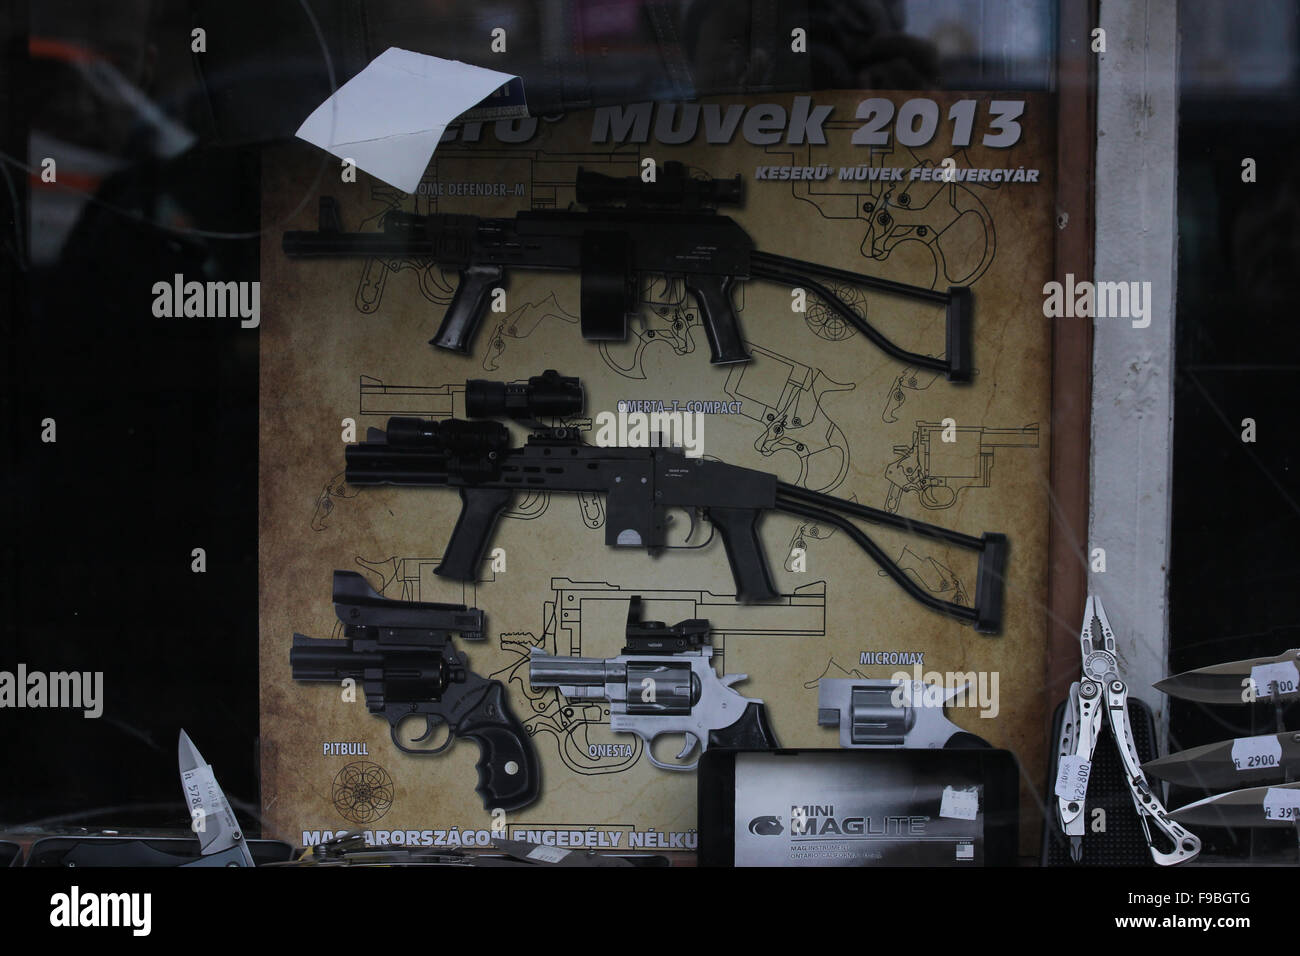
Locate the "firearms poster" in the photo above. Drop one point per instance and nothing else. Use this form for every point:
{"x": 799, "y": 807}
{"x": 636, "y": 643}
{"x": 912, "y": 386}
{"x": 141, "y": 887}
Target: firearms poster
{"x": 934, "y": 190}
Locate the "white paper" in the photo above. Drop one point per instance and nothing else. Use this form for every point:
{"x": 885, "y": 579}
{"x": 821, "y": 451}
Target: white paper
{"x": 961, "y": 804}
{"x": 1072, "y": 778}
{"x": 1282, "y": 803}
{"x": 1257, "y": 753}
{"x": 389, "y": 118}
{"x": 1283, "y": 678}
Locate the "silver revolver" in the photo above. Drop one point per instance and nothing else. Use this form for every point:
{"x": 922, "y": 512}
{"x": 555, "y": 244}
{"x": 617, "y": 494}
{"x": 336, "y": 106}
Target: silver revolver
{"x": 662, "y": 684}
{"x": 884, "y": 713}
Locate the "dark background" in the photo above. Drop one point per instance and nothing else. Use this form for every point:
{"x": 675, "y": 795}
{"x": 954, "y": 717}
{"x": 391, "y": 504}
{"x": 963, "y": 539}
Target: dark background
{"x": 1234, "y": 583}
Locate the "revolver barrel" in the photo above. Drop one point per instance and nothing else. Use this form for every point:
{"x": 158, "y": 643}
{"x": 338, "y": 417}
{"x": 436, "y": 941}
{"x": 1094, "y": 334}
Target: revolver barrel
{"x": 546, "y": 670}
{"x": 650, "y": 686}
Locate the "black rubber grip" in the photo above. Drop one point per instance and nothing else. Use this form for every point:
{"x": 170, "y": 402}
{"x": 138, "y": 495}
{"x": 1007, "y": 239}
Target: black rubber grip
{"x": 751, "y": 732}
{"x": 960, "y": 310}
{"x": 738, "y": 528}
{"x": 718, "y": 315}
{"x": 479, "y": 510}
{"x": 964, "y": 740}
{"x": 989, "y": 583}
{"x": 509, "y": 775}
{"x": 456, "y": 334}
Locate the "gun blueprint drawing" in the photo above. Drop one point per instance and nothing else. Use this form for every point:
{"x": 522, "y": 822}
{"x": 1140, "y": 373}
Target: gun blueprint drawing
{"x": 668, "y": 325}
{"x": 521, "y": 322}
{"x": 909, "y": 380}
{"x": 405, "y": 578}
{"x": 336, "y": 489}
{"x": 924, "y": 570}
{"x": 933, "y": 575}
{"x": 948, "y": 220}
{"x": 937, "y": 470}
{"x": 785, "y": 398}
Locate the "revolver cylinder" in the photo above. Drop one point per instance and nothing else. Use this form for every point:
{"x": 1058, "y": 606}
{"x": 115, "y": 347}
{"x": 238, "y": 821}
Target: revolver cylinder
{"x": 660, "y": 687}
{"x": 874, "y": 719}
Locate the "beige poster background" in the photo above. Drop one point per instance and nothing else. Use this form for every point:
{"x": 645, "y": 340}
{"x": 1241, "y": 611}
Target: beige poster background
{"x": 819, "y": 405}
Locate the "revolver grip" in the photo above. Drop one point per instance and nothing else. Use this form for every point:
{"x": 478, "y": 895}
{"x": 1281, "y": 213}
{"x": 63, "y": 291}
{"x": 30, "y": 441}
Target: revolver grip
{"x": 751, "y": 732}
{"x": 964, "y": 740}
{"x": 718, "y": 315}
{"x": 479, "y": 511}
{"x": 509, "y": 776}
{"x": 738, "y": 528}
{"x": 459, "y": 324}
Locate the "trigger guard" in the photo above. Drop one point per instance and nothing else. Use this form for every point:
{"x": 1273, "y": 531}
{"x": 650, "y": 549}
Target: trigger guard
{"x": 689, "y": 744}
{"x": 690, "y": 513}
{"x": 431, "y": 723}
{"x": 938, "y": 499}
{"x": 650, "y": 752}
{"x": 693, "y": 515}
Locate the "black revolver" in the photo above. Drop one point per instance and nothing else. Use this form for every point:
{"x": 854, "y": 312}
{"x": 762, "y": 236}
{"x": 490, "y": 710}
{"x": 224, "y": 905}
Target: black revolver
{"x": 401, "y": 652}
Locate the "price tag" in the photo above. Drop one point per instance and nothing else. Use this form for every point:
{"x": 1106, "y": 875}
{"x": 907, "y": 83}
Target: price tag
{"x": 1072, "y": 778}
{"x": 1282, "y": 803}
{"x": 1272, "y": 680}
{"x": 203, "y": 796}
{"x": 547, "y": 854}
{"x": 961, "y": 804}
{"x": 1257, "y": 753}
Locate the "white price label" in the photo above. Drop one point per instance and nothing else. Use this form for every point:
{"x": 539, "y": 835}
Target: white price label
{"x": 1072, "y": 778}
{"x": 547, "y": 854}
{"x": 203, "y": 796}
{"x": 1257, "y": 753}
{"x": 961, "y": 804}
{"x": 1273, "y": 680}
{"x": 1282, "y": 803}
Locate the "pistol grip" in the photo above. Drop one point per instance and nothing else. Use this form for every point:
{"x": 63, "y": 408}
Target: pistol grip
{"x": 509, "y": 776}
{"x": 479, "y": 510}
{"x": 718, "y": 315}
{"x": 738, "y": 528}
{"x": 751, "y": 732}
{"x": 456, "y": 333}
